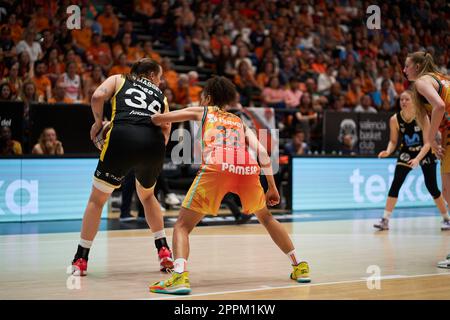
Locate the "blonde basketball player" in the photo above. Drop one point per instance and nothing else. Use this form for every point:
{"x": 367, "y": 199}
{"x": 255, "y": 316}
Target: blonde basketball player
{"x": 432, "y": 95}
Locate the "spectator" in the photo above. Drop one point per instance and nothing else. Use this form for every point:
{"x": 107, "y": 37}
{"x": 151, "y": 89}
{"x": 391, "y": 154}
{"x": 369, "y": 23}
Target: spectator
{"x": 170, "y": 76}
{"x": 194, "y": 89}
{"x": 354, "y": 93}
{"x": 387, "y": 93}
{"x": 92, "y": 81}
{"x": 109, "y": 23}
{"x": 274, "y": 96}
{"x": 122, "y": 67}
{"x": 305, "y": 118}
{"x": 242, "y": 55}
{"x": 168, "y": 93}
{"x": 390, "y": 46}
{"x": 297, "y": 146}
{"x": 5, "y": 92}
{"x": 264, "y": 76}
{"x": 25, "y": 66}
{"x": 59, "y": 95}
{"x": 398, "y": 84}
{"x": 293, "y": 94}
{"x": 82, "y": 37}
{"x": 8, "y": 146}
{"x": 99, "y": 53}
{"x": 218, "y": 40}
{"x": 48, "y": 143}
{"x": 7, "y": 46}
{"x": 32, "y": 47}
{"x": 347, "y": 146}
{"x": 48, "y": 42}
{"x": 201, "y": 46}
{"x": 15, "y": 27}
{"x": 224, "y": 63}
{"x": 125, "y": 47}
{"x": 55, "y": 67}
{"x": 366, "y": 105}
{"x": 326, "y": 80}
{"x": 41, "y": 18}
{"x": 148, "y": 52}
{"x": 289, "y": 70}
{"x": 246, "y": 84}
{"x": 29, "y": 93}
{"x": 14, "y": 81}
{"x": 42, "y": 82}
{"x": 128, "y": 28}
{"x": 182, "y": 90}
{"x": 339, "y": 104}
{"x": 71, "y": 82}
{"x": 159, "y": 22}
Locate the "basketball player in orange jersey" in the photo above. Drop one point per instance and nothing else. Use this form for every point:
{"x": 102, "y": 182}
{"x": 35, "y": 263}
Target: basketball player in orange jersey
{"x": 432, "y": 95}
{"x": 133, "y": 142}
{"x": 227, "y": 166}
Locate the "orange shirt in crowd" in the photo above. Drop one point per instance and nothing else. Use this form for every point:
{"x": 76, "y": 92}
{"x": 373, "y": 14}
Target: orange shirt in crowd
{"x": 353, "y": 97}
{"x": 42, "y": 23}
{"x": 171, "y": 77}
{"x": 145, "y": 7}
{"x": 82, "y": 37}
{"x": 42, "y": 83}
{"x": 319, "y": 67}
{"x": 367, "y": 84}
{"x": 194, "y": 93}
{"x": 16, "y": 33}
{"x": 152, "y": 55}
{"x": 399, "y": 87}
{"x": 216, "y": 44}
{"x": 262, "y": 79}
{"x": 117, "y": 69}
{"x": 132, "y": 53}
{"x": 110, "y": 25}
{"x": 101, "y": 54}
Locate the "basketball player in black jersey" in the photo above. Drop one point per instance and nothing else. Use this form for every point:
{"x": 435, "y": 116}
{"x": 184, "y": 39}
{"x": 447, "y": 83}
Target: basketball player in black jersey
{"x": 133, "y": 142}
{"x": 414, "y": 150}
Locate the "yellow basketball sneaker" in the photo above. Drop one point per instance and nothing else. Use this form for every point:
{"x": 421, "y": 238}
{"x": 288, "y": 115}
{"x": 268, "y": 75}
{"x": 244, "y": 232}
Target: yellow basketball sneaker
{"x": 301, "y": 273}
{"x": 178, "y": 283}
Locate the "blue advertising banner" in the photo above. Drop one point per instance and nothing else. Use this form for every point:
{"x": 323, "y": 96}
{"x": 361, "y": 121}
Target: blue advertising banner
{"x": 45, "y": 189}
{"x": 353, "y": 183}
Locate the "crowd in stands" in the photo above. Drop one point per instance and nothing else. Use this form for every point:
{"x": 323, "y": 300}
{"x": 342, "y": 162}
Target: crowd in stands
{"x": 299, "y": 55}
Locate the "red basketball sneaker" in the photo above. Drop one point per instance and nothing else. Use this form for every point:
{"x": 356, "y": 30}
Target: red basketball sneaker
{"x": 79, "y": 267}
{"x": 165, "y": 259}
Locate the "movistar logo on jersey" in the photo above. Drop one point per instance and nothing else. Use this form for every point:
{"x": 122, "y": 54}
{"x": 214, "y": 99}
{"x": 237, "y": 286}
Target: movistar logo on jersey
{"x": 412, "y": 141}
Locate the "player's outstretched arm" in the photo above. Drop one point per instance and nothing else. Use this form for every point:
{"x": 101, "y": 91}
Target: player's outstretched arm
{"x": 191, "y": 113}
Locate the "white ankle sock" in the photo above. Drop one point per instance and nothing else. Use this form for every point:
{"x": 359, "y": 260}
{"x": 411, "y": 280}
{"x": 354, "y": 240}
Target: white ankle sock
{"x": 387, "y": 214}
{"x": 85, "y": 243}
{"x": 293, "y": 258}
{"x": 159, "y": 234}
{"x": 446, "y": 216}
{"x": 179, "y": 265}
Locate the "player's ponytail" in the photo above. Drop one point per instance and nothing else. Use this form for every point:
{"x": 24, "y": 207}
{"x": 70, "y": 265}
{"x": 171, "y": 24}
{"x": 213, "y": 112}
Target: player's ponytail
{"x": 143, "y": 68}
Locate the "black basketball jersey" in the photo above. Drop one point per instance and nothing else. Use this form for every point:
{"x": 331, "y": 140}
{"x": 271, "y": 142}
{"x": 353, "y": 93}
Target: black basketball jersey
{"x": 411, "y": 135}
{"x": 136, "y": 101}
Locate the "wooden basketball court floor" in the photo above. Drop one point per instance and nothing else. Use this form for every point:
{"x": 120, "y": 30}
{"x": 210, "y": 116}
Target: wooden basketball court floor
{"x": 238, "y": 262}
